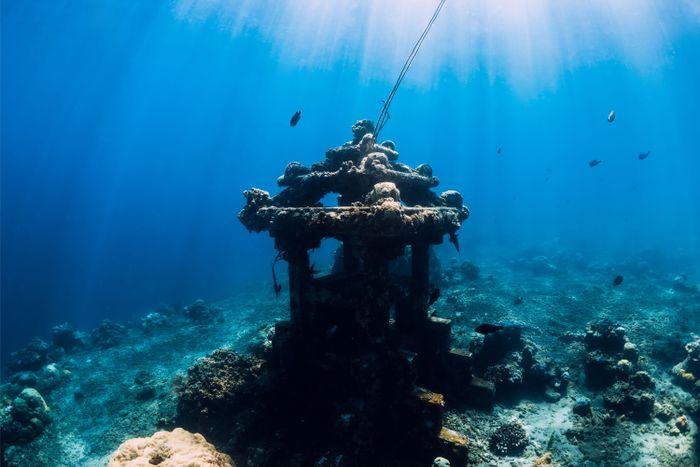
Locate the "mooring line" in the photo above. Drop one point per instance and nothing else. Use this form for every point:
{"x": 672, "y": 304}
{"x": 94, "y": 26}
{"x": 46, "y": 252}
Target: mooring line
{"x": 384, "y": 114}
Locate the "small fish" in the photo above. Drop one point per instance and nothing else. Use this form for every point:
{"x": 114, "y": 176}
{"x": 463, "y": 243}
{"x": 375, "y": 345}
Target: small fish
{"x": 487, "y": 328}
{"x": 643, "y": 155}
{"x": 295, "y": 118}
{"x": 594, "y": 162}
{"x": 518, "y": 301}
{"x": 434, "y": 295}
{"x": 617, "y": 281}
{"x": 499, "y": 151}
{"x": 611, "y": 116}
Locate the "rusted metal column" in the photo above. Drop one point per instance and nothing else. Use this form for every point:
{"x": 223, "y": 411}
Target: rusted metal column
{"x": 350, "y": 263}
{"x": 299, "y": 282}
{"x": 420, "y": 266}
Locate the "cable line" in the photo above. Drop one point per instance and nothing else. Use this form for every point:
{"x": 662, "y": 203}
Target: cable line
{"x": 384, "y": 114}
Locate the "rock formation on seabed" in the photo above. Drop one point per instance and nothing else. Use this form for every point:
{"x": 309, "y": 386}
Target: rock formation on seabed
{"x": 362, "y": 363}
{"x": 169, "y": 449}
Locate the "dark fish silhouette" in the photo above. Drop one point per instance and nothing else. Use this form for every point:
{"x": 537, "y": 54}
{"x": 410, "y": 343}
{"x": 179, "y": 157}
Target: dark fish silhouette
{"x": 611, "y": 116}
{"x": 487, "y": 328}
{"x": 295, "y": 118}
{"x": 643, "y": 155}
{"x": 518, "y": 301}
{"x": 499, "y": 151}
{"x": 594, "y": 162}
{"x": 618, "y": 280}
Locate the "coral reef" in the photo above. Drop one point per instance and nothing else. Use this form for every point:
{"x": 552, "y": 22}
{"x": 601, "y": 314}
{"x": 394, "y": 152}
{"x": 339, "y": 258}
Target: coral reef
{"x": 612, "y": 364}
{"x": 215, "y": 388}
{"x": 67, "y": 338}
{"x": 582, "y": 407}
{"x": 509, "y": 362}
{"x": 107, "y": 334}
{"x": 25, "y": 418}
{"x": 509, "y": 439}
{"x": 154, "y": 321}
{"x": 105, "y": 396}
{"x": 169, "y": 449}
{"x": 200, "y": 311}
{"x": 626, "y": 398}
{"x": 687, "y": 372}
{"x": 611, "y": 357}
{"x": 31, "y": 357}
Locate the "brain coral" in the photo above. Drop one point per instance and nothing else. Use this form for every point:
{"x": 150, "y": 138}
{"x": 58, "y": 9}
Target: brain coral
{"x": 169, "y": 449}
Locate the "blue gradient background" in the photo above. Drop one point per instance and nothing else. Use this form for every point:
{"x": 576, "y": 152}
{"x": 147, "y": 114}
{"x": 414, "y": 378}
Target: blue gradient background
{"x": 130, "y": 131}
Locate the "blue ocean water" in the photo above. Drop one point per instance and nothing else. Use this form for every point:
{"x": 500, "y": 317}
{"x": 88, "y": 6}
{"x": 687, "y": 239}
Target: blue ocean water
{"x": 130, "y": 129}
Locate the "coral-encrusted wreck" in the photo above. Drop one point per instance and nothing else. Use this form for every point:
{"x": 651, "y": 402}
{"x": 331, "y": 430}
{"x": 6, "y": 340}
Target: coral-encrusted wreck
{"x": 364, "y": 359}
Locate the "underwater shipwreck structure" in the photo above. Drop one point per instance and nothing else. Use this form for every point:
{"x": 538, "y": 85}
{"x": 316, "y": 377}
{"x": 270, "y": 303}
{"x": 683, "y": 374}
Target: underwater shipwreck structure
{"x": 366, "y": 363}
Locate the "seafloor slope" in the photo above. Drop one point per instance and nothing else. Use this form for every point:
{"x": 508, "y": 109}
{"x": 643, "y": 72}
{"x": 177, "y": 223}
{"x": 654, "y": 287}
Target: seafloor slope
{"x": 586, "y": 378}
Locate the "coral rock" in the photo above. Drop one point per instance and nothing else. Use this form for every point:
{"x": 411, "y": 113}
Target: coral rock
{"x": 509, "y": 439}
{"x": 153, "y": 321}
{"x": 441, "y": 462}
{"x": 31, "y": 357}
{"x": 169, "y": 449}
{"x": 25, "y": 418}
{"x": 687, "y": 372}
{"x": 630, "y": 352}
{"x": 626, "y": 399}
{"x": 582, "y": 407}
{"x": 200, "y": 311}
{"x": 682, "y": 424}
{"x": 107, "y": 334}
{"x": 642, "y": 380}
{"x": 214, "y": 386}
{"x": 606, "y": 336}
{"x": 544, "y": 459}
{"x": 663, "y": 411}
{"x": 66, "y": 337}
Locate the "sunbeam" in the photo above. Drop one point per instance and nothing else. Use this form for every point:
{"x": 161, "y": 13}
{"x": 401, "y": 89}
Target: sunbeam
{"x": 529, "y": 43}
